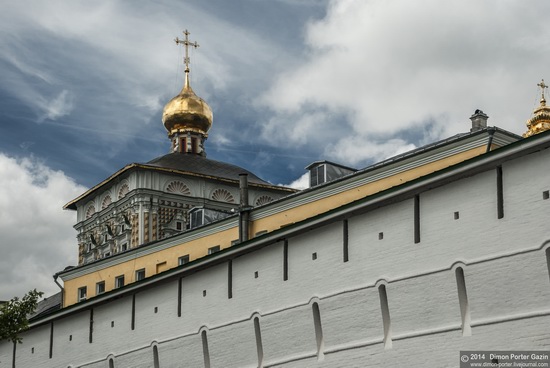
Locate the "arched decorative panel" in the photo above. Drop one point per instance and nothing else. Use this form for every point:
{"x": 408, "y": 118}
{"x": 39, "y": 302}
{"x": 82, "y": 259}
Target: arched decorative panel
{"x": 265, "y": 199}
{"x": 90, "y": 211}
{"x": 178, "y": 187}
{"x": 223, "y": 195}
{"x": 106, "y": 201}
{"x": 124, "y": 189}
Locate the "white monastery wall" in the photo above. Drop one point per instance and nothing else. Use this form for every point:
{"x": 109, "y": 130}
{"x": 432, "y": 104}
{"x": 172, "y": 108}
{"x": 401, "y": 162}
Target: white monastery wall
{"x": 249, "y": 293}
{"x": 6, "y": 351}
{"x": 329, "y": 312}
{"x": 71, "y": 333}
{"x": 155, "y": 312}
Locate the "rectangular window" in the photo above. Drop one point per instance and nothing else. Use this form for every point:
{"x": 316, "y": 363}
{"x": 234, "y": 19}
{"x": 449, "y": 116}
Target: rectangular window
{"x": 140, "y": 274}
{"x": 178, "y": 225}
{"x": 317, "y": 175}
{"x": 119, "y": 281}
{"x": 82, "y": 291}
{"x": 214, "y": 249}
{"x": 100, "y": 287}
{"x": 197, "y": 218}
{"x": 124, "y": 247}
{"x": 183, "y": 260}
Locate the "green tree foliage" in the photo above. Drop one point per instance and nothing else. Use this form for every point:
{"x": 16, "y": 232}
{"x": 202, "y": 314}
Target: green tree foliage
{"x": 14, "y": 315}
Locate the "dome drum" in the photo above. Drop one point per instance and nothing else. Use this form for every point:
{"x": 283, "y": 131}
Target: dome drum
{"x": 540, "y": 122}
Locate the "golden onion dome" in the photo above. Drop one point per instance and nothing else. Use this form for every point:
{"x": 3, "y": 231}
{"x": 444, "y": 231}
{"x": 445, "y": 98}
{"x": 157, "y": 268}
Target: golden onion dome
{"x": 187, "y": 112}
{"x": 540, "y": 122}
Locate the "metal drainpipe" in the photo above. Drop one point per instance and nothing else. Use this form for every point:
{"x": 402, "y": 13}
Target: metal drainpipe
{"x": 244, "y": 210}
{"x": 61, "y": 287}
{"x": 491, "y": 132}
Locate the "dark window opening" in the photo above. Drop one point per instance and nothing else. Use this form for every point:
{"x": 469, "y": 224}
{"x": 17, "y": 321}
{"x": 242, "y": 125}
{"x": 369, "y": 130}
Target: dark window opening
{"x": 119, "y": 281}
{"x": 386, "y": 321}
{"x": 317, "y": 175}
{"x": 214, "y": 249}
{"x": 259, "y": 345}
{"x": 318, "y": 329}
{"x": 285, "y": 260}
{"x": 463, "y": 301}
{"x": 82, "y": 293}
{"x": 183, "y": 260}
{"x": 417, "y": 219}
{"x": 140, "y": 274}
{"x": 345, "y": 241}
{"x": 500, "y": 194}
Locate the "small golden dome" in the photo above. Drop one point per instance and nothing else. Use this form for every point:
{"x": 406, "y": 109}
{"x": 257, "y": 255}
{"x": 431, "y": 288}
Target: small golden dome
{"x": 187, "y": 112}
{"x": 540, "y": 122}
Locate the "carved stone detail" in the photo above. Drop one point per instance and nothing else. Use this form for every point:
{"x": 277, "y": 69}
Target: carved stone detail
{"x": 223, "y": 195}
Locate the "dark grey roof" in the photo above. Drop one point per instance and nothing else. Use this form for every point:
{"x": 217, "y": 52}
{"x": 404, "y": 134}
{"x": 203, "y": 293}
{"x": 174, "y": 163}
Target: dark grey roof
{"x": 315, "y": 163}
{"x": 201, "y": 165}
{"x": 47, "y": 306}
{"x": 440, "y": 143}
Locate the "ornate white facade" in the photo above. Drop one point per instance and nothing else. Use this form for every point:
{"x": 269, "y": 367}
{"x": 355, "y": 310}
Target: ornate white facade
{"x": 144, "y": 204}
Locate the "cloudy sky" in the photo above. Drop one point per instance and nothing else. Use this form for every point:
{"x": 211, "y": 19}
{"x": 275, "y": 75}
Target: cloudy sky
{"x": 83, "y": 84}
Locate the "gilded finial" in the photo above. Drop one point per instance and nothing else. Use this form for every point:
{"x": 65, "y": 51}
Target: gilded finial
{"x": 540, "y": 122}
{"x": 187, "y": 114}
{"x": 542, "y": 86}
{"x": 186, "y": 43}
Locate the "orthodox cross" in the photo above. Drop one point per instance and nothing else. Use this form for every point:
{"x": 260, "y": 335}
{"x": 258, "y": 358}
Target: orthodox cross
{"x": 542, "y": 86}
{"x": 186, "y": 43}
